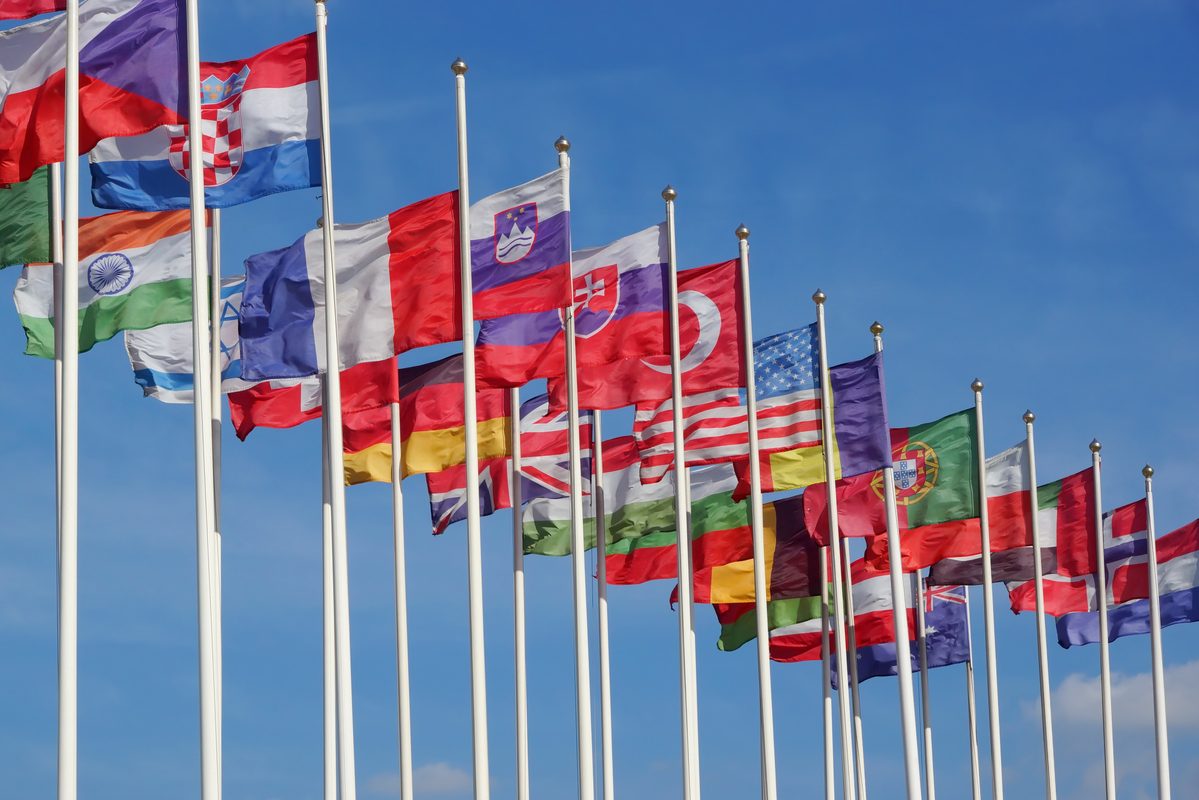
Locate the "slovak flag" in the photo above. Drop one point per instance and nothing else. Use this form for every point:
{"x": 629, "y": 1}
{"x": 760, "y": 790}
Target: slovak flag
{"x": 261, "y": 132}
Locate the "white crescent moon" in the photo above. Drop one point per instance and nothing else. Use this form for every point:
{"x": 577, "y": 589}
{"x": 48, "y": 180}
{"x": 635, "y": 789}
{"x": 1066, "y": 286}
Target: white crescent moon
{"x": 709, "y": 332}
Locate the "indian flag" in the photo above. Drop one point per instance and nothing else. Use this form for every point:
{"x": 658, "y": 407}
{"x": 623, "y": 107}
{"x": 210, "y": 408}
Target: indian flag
{"x": 134, "y": 273}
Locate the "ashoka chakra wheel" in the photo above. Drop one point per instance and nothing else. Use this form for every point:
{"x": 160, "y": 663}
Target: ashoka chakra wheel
{"x": 110, "y": 273}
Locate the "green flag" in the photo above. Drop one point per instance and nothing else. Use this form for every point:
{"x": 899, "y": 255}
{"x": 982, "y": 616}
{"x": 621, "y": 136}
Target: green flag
{"x": 25, "y": 221}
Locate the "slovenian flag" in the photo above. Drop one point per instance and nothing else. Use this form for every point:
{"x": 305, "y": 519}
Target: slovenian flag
{"x": 261, "y": 123}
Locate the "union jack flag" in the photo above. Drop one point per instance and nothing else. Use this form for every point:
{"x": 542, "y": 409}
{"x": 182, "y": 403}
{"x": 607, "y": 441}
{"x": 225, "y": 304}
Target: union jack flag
{"x": 946, "y": 594}
{"x": 544, "y": 446}
{"x": 447, "y": 492}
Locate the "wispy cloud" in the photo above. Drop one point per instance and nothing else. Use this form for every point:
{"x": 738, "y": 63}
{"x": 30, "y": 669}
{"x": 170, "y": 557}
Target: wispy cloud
{"x": 1076, "y": 699}
{"x": 438, "y": 779}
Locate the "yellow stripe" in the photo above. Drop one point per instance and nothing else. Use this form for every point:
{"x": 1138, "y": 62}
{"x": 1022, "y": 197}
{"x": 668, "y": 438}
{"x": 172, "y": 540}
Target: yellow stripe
{"x": 429, "y": 451}
{"x": 734, "y": 583}
{"x": 371, "y": 464}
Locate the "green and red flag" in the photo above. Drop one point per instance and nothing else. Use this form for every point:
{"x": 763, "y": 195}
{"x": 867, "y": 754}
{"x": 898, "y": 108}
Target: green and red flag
{"x": 25, "y": 221}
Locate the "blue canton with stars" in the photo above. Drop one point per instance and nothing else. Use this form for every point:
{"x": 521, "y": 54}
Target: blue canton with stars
{"x": 787, "y": 362}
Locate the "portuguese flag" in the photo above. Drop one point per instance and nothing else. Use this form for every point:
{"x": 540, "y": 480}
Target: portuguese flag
{"x": 25, "y": 220}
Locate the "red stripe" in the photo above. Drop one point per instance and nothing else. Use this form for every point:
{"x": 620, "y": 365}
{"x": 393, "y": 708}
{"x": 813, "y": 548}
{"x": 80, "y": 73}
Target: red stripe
{"x": 288, "y": 64}
{"x": 544, "y": 291}
{"x": 1183, "y": 541}
{"x": 24, "y": 9}
{"x": 424, "y": 262}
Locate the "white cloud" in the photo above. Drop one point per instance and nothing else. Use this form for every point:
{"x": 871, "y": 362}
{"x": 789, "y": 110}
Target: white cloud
{"x": 1076, "y": 699}
{"x": 438, "y": 778}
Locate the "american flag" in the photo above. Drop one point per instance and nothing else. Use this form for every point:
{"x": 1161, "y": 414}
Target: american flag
{"x": 545, "y": 456}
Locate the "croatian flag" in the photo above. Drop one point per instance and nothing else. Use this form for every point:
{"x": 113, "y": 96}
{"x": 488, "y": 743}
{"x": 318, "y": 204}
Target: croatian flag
{"x": 447, "y": 492}
{"x": 261, "y": 134}
{"x": 620, "y": 312}
{"x": 131, "y": 79}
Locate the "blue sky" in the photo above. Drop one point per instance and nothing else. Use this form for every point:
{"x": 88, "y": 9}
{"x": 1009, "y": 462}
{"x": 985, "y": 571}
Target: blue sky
{"x": 1013, "y": 192}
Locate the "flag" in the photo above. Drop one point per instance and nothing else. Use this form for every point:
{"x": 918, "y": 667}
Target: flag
{"x": 1178, "y": 593}
{"x": 545, "y": 450}
{"x": 24, "y": 9}
{"x": 1065, "y": 513}
{"x": 286, "y": 404}
{"x": 161, "y": 356}
{"x": 739, "y": 621}
{"x": 261, "y": 124}
{"x": 710, "y": 341}
{"x": 432, "y": 425}
{"x": 131, "y": 79}
{"x": 397, "y": 289}
{"x": 619, "y": 303}
{"x": 715, "y": 430}
{"x": 134, "y": 273}
{"x": 25, "y": 223}
{"x": 447, "y": 492}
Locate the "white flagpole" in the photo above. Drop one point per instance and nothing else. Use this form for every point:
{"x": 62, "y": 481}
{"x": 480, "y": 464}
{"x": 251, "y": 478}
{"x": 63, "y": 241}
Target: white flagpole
{"x": 329, "y": 625}
{"x": 518, "y": 606}
{"x": 601, "y": 583}
{"x": 765, "y": 691}
{"x": 56, "y": 255}
{"x": 984, "y": 524}
{"x": 899, "y": 616}
{"x": 1161, "y": 741}
{"x": 926, "y": 718}
{"x": 210, "y": 765}
{"x": 848, "y": 789}
{"x": 1105, "y": 670}
{"x": 855, "y": 697}
{"x": 826, "y": 679}
{"x": 214, "y": 406}
{"x": 474, "y": 545}
{"x": 68, "y": 489}
{"x": 403, "y": 692}
{"x": 1042, "y": 645}
{"x": 971, "y": 710}
{"x": 688, "y": 699}
{"x": 336, "y": 454}
{"x": 578, "y": 545}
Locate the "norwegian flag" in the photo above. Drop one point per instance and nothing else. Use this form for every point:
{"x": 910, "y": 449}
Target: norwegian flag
{"x": 447, "y": 492}
{"x": 220, "y": 131}
{"x": 545, "y": 455}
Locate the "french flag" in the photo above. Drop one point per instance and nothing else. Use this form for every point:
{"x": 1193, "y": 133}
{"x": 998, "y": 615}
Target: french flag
{"x": 132, "y": 79}
{"x": 261, "y": 126}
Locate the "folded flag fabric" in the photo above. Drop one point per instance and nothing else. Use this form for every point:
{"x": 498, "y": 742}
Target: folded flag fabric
{"x": 447, "y": 492}
{"x": 620, "y": 312}
{"x": 131, "y": 79}
{"x": 715, "y": 430}
{"x": 432, "y": 425}
{"x": 739, "y": 621}
{"x": 134, "y": 273}
{"x": 24, "y": 9}
{"x": 161, "y": 356}
{"x": 286, "y": 404}
{"x": 710, "y": 343}
{"x": 545, "y": 450}
{"x": 261, "y": 131}
{"x": 25, "y": 221}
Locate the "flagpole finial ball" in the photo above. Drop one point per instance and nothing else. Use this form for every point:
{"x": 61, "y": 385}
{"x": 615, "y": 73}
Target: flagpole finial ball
{"x": 876, "y": 328}
{"x": 1147, "y": 471}
{"x": 562, "y": 145}
{"x": 976, "y": 385}
{"x": 669, "y": 194}
{"x": 1095, "y": 446}
{"x": 1029, "y": 417}
{"x": 742, "y": 232}
{"x": 818, "y": 297}
{"x": 459, "y": 66}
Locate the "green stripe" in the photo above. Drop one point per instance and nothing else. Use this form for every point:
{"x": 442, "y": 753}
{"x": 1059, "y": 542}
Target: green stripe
{"x": 779, "y": 614}
{"x": 25, "y": 221}
{"x": 1048, "y": 494}
{"x": 146, "y": 306}
{"x": 718, "y": 512}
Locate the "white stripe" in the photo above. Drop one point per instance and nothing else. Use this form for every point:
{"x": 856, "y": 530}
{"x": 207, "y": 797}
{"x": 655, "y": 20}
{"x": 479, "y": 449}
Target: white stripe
{"x": 1008, "y": 471}
{"x": 546, "y": 191}
{"x": 631, "y": 252}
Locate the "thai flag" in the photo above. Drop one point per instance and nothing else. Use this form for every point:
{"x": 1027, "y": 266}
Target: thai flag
{"x": 261, "y": 132}
{"x": 447, "y": 492}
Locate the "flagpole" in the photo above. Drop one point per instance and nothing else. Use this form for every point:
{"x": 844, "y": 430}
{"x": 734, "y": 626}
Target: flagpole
{"x": 68, "y": 489}
{"x": 971, "y": 710}
{"x": 474, "y": 546}
{"x": 214, "y": 406}
{"x": 984, "y": 524}
{"x": 1161, "y": 741}
{"x": 765, "y": 691}
{"x": 516, "y": 490}
{"x": 578, "y": 545}
{"x": 210, "y": 767}
{"x": 1105, "y": 671}
{"x": 56, "y": 254}
{"x": 926, "y": 719}
{"x": 601, "y": 582}
{"x": 899, "y": 616}
{"x": 855, "y": 696}
{"x": 403, "y": 692}
{"x": 336, "y": 454}
{"x": 834, "y": 527}
{"x": 1039, "y": 587}
{"x": 826, "y": 678}
{"x": 688, "y": 700}
{"x": 328, "y": 622}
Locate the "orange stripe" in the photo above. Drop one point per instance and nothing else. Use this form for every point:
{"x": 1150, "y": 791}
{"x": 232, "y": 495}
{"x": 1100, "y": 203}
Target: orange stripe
{"x": 128, "y": 230}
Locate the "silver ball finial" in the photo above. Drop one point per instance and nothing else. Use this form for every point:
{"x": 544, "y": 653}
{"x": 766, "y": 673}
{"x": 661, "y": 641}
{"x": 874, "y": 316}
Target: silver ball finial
{"x": 818, "y": 297}
{"x": 669, "y": 194}
{"x": 742, "y": 232}
{"x": 876, "y": 328}
{"x": 1095, "y": 446}
{"x": 976, "y": 385}
{"x": 562, "y": 145}
{"x": 1029, "y": 417}
{"x": 1147, "y": 471}
{"x": 459, "y": 66}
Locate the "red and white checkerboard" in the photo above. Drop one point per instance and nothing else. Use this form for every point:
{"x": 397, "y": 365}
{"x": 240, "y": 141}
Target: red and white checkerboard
{"x": 220, "y": 129}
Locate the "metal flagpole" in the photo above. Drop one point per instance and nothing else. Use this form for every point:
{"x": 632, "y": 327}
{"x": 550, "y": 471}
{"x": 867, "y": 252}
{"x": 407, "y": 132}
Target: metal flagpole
{"x": 210, "y": 767}
{"x": 601, "y": 584}
{"x": 578, "y": 546}
{"x": 68, "y": 489}
{"x": 971, "y": 710}
{"x": 984, "y": 525}
{"x": 840, "y": 645}
{"x": 1105, "y": 671}
{"x": 826, "y": 678}
{"x": 688, "y": 699}
{"x": 926, "y": 719}
{"x": 1161, "y": 741}
{"x": 474, "y": 546}
{"x": 336, "y": 454}
{"x": 1039, "y": 587}
{"x": 765, "y": 692}
{"x": 855, "y": 697}
{"x": 403, "y": 692}
{"x": 518, "y": 606}
{"x": 56, "y": 254}
{"x": 214, "y": 407}
{"x": 329, "y": 634}
{"x": 899, "y": 616}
